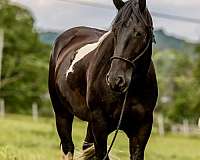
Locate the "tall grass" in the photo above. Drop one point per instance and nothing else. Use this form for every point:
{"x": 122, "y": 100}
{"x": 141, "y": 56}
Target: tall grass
{"x": 23, "y": 139}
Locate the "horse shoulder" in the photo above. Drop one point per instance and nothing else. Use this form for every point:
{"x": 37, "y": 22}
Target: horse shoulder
{"x": 66, "y": 38}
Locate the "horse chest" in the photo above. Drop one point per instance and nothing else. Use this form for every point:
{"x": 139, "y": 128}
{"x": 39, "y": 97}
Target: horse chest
{"x": 133, "y": 113}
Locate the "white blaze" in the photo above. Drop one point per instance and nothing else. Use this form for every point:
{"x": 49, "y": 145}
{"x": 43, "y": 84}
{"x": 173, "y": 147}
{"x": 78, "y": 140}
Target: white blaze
{"x": 83, "y": 51}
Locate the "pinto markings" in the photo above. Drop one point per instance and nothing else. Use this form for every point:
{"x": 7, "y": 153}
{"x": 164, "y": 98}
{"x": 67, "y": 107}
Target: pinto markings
{"x": 83, "y": 51}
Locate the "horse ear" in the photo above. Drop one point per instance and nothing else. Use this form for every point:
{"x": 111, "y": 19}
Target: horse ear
{"x": 118, "y": 4}
{"x": 142, "y": 5}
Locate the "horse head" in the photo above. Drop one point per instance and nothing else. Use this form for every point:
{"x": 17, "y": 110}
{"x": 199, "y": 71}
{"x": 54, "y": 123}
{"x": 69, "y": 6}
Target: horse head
{"x": 132, "y": 30}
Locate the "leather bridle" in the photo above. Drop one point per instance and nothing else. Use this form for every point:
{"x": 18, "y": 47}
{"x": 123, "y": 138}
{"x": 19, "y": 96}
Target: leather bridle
{"x": 132, "y": 60}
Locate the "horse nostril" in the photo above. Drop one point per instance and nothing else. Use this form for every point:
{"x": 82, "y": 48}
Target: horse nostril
{"x": 120, "y": 81}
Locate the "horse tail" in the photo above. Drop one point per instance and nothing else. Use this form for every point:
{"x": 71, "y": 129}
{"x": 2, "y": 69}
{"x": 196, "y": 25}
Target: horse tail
{"x": 88, "y": 153}
{"x": 51, "y": 84}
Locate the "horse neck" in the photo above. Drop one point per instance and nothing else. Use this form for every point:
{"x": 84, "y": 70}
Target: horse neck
{"x": 143, "y": 64}
{"x": 102, "y": 56}
{"x": 105, "y": 50}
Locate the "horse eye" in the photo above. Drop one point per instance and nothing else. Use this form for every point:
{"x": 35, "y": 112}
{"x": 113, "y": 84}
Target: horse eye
{"x": 137, "y": 34}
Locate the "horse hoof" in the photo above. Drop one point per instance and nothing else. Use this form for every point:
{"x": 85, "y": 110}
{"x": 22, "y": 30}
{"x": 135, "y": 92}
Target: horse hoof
{"x": 89, "y": 153}
{"x": 69, "y": 156}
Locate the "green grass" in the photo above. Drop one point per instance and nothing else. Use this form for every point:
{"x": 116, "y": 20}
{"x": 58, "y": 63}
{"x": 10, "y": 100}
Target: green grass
{"x": 23, "y": 139}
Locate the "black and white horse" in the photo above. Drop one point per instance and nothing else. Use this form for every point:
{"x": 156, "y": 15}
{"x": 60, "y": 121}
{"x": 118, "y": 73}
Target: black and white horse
{"x": 90, "y": 72}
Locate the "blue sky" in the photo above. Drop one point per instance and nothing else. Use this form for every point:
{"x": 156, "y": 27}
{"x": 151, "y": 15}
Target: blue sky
{"x": 57, "y": 15}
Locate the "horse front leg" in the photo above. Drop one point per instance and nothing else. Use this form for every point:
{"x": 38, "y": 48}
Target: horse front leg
{"x": 100, "y": 133}
{"x": 138, "y": 141}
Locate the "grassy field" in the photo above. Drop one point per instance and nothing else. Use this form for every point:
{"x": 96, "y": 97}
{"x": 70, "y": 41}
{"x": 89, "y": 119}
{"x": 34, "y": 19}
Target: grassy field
{"x": 23, "y": 139}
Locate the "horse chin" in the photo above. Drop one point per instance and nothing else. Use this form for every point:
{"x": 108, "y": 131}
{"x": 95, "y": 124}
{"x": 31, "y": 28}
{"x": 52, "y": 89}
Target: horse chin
{"x": 120, "y": 90}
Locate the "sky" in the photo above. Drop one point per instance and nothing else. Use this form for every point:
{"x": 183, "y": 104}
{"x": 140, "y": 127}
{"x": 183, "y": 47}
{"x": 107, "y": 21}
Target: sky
{"x": 60, "y": 15}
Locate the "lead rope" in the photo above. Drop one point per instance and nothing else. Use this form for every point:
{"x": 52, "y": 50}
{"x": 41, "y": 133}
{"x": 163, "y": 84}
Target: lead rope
{"x": 118, "y": 126}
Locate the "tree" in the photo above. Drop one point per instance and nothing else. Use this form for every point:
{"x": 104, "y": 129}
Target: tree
{"x": 178, "y": 90}
{"x": 25, "y": 59}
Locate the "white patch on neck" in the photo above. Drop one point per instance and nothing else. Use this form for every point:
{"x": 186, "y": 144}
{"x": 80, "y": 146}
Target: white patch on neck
{"x": 83, "y": 51}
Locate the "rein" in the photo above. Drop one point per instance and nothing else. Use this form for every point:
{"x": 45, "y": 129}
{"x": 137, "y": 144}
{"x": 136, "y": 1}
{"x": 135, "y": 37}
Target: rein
{"x": 118, "y": 125}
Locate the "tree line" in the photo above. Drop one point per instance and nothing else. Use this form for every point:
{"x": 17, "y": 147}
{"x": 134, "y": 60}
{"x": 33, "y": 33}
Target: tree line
{"x": 178, "y": 76}
{"x": 25, "y": 60}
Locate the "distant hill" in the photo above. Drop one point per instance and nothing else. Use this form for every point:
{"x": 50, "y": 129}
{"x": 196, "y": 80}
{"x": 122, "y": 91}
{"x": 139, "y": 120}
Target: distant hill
{"x": 164, "y": 41}
{"x": 48, "y": 37}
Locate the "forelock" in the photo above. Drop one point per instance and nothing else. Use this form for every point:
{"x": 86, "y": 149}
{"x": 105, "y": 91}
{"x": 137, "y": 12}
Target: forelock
{"x": 130, "y": 9}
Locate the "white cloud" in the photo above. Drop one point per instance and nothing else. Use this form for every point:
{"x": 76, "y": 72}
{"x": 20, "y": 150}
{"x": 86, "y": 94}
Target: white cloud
{"x": 57, "y": 15}
{"x": 180, "y": 3}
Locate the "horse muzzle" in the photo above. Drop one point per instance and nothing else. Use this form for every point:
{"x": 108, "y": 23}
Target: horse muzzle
{"x": 117, "y": 83}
